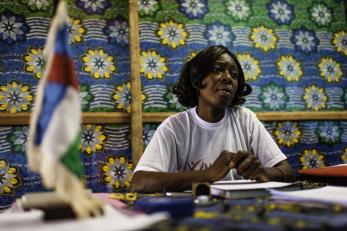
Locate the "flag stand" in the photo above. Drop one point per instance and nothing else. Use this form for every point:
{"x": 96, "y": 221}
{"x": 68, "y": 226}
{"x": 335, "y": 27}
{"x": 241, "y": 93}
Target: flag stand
{"x": 53, "y": 206}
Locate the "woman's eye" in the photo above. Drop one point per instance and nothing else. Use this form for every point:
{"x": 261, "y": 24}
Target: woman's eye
{"x": 234, "y": 74}
{"x": 217, "y": 69}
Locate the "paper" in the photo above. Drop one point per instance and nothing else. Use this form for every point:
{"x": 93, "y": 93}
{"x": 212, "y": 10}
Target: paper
{"x": 338, "y": 165}
{"x": 327, "y": 194}
{"x": 245, "y": 185}
{"x": 233, "y": 182}
{"x": 113, "y": 220}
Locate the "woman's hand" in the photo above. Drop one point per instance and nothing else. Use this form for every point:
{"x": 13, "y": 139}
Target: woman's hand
{"x": 249, "y": 166}
{"x": 220, "y": 167}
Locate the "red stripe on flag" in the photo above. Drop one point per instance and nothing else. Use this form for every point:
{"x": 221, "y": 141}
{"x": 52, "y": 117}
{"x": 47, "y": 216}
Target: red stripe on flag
{"x": 63, "y": 71}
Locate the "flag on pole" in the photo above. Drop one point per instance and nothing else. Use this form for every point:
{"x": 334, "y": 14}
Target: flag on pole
{"x": 54, "y": 134}
{"x": 55, "y": 127}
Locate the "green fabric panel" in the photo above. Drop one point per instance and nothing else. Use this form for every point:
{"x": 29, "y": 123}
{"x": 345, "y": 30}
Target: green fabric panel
{"x": 71, "y": 159}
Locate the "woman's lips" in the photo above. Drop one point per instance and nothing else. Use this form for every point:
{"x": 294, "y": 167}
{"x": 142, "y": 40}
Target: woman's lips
{"x": 225, "y": 92}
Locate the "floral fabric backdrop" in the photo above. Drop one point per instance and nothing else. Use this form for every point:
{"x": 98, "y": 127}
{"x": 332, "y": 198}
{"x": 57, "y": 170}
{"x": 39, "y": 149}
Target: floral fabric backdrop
{"x": 293, "y": 54}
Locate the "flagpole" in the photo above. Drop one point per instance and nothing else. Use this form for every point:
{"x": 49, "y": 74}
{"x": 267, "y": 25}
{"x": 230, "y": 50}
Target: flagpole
{"x": 136, "y": 101}
{"x": 55, "y": 6}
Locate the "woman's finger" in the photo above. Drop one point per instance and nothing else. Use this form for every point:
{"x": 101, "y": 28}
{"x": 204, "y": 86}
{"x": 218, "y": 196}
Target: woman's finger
{"x": 245, "y": 164}
{"x": 251, "y": 169}
{"x": 240, "y": 155}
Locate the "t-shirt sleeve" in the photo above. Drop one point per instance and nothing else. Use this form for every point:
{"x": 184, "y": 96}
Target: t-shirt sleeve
{"x": 263, "y": 145}
{"x": 159, "y": 155}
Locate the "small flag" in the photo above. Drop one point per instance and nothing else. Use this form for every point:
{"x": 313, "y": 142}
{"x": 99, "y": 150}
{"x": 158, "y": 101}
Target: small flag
{"x": 55, "y": 127}
{"x": 54, "y": 136}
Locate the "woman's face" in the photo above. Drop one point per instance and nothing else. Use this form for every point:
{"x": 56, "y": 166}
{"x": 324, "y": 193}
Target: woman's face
{"x": 219, "y": 86}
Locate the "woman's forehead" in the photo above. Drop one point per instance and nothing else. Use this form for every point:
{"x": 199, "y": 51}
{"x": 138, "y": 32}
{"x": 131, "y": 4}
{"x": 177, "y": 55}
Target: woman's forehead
{"x": 225, "y": 59}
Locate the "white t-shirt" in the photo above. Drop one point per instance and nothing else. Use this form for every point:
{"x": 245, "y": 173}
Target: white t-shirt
{"x": 186, "y": 142}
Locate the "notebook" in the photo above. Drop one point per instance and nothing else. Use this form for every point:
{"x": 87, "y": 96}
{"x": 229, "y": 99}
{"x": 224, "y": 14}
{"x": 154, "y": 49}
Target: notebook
{"x": 240, "y": 189}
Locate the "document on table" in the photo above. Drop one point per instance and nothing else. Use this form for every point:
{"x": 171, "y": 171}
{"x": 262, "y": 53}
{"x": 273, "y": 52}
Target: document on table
{"x": 239, "y": 189}
{"x": 112, "y": 220}
{"x": 327, "y": 194}
{"x": 234, "y": 182}
{"x": 247, "y": 185}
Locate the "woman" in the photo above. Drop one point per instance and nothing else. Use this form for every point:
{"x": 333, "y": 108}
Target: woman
{"x": 216, "y": 138}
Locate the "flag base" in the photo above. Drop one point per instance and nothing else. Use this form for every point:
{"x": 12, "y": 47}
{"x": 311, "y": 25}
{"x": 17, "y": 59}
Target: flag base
{"x": 53, "y": 206}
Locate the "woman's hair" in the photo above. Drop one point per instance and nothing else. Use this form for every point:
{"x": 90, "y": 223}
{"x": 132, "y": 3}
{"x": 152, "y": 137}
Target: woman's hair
{"x": 196, "y": 69}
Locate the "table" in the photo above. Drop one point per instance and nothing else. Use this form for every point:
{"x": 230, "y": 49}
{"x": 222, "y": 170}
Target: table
{"x": 258, "y": 214}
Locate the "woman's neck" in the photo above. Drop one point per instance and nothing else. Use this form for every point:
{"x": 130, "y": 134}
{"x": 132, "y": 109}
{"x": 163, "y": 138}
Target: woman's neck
{"x": 211, "y": 115}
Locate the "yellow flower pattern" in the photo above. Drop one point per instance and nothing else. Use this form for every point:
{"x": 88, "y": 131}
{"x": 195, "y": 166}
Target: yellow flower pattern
{"x": 122, "y": 96}
{"x": 344, "y": 156}
{"x": 172, "y": 34}
{"x": 340, "y": 42}
{"x": 117, "y": 172}
{"x": 250, "y": 66}
{"x": 315, "y": 98}
{"x": 9, "y": 179}
{"x": 264, "y": 38}
{"x": 35, "y": 62}
{"x": 312, "y": 159}
{"x": 152, "y": 65}
{"x": 191, "y": 55}
{"x": 330, "y": 70}
{"x": 76, "y": 31}
{"x": 98, "y": 63}
{"x": 287, "y": 134}
{"x": 15, "y": 97}
{"x": 289, "y": 68}
{"x": 93, "y": 139}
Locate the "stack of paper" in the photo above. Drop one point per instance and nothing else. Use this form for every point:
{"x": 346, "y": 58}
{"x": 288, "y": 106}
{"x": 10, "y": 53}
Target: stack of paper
{"x": 244, "y": 188}
{"x": 327, "y": 194}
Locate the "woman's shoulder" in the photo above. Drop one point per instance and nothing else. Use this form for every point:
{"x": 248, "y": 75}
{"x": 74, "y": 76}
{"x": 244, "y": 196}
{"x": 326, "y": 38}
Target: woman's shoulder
{"x": 178, "y": 119}
{"x": 244, "y": 117}
{"x": 241, "y": 111}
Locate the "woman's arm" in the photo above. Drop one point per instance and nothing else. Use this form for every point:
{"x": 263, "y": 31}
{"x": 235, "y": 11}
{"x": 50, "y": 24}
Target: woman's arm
{"x": 150, "y": 182}
{"x": 250, "y": 167}
{"x": 282, "y": 171}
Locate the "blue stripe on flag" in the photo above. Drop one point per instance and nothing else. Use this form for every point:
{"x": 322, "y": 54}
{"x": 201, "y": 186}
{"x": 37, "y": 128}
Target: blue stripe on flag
{"x": 61, "y": 42}
{"x": 53, "y": 95}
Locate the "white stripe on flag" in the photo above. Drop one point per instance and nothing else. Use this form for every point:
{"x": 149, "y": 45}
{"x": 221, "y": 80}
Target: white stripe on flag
{"x": 63, "y": 127}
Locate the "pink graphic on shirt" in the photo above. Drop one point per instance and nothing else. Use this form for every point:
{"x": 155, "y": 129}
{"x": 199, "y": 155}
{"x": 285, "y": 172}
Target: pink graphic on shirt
{"x": 198, "y": 165}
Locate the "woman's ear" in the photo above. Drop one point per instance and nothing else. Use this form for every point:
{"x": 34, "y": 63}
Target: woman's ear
{"x": 196, "y": 82}
{"x": 194, "y": 78}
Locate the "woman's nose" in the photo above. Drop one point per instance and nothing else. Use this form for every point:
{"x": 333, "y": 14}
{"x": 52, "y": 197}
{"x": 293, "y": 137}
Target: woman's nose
{"x": 225, "y": 78}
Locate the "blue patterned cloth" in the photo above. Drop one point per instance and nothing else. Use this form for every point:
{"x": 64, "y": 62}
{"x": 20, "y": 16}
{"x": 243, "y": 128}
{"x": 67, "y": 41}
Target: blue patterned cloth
{"x": 293, "y": 54}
